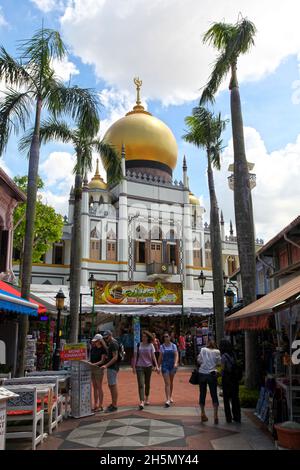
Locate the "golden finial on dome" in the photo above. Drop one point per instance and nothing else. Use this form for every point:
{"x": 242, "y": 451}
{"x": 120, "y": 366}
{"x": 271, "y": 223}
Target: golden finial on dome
{"x": 97, "y": 181}
{"x": 138, "y": 108}
{"x": 97, "y": 168}
{"x": 138, "y": 83}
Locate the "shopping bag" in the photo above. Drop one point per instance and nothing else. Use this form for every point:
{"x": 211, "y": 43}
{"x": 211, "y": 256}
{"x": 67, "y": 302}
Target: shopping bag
{"x": 194, "y": 379}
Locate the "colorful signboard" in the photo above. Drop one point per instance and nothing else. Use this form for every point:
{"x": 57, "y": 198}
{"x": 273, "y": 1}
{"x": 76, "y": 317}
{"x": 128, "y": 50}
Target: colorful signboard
{"x": 138, "y": 293}
{"x": 74, "y": 352}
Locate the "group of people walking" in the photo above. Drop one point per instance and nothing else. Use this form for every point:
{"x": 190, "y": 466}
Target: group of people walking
{"x": 209, "y": 358}
{"x": 163, "y": 358}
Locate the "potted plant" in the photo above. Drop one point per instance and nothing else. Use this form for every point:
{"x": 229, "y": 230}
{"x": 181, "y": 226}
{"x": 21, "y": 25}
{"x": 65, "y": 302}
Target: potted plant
{"x": 288, "y": 434}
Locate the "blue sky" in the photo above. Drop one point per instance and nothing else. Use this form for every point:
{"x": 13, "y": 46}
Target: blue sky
{"x": 110, "y": 41}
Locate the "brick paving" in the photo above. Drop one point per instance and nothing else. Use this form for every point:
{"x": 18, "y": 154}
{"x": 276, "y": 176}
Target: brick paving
{"x": 156, "y": 428}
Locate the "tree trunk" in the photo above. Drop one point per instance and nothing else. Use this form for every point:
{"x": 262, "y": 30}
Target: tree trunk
{"x": 33, "y": 168}
{"x": 216, "y": 255}
{"x": 244, "y": 226}
{"x": 75, "y": 268}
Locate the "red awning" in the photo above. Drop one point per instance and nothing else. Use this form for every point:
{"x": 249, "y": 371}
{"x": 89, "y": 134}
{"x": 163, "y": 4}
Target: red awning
{"x": 256, "y": 315}
{"x": 13, "y": 290}
{"x": 257, "y": 322}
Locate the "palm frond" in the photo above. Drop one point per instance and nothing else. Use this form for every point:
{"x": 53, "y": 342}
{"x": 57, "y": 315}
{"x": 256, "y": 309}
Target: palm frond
{"x": 111, "y": 161}
{"x": 80, "y": 103}
{"x": 204, "y": 131}
{"x": 219, "y": 35}
{"x": 50, "y": 130}
{"x": 45, "y": 44}
{"x": 219, "y": 72}
{"x": 14, "y": 114}
{"x": 84, "y": 157}
{"x": 243, "y": 39}
{"x": 13, "y": 72}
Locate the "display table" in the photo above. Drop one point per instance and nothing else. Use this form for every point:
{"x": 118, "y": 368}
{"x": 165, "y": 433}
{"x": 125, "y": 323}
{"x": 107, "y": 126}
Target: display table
{"x": 81, "y": 391}
{"x": 292, "y": 393}
{"x": 4, "y": 396}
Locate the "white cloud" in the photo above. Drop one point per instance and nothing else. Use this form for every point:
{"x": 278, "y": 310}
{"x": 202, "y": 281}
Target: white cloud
{"x": 161, "y": 41}
{"x": 60, "y": 203}
{"x": 277, "y": 192}
{"x": 57, "y": 171}
{"x": 116, "y": 104}
{"x": 64, "y": 69}
{"x": 3, "y": 21}
{"x": 5, "y": 168}
{"x": 49, "y": 5}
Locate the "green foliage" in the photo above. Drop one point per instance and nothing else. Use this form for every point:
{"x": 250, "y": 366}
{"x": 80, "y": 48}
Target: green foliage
{"x": 204, "y": 131}
{"x": 48, "y": 224}
{"x": 30, "y": 79}
{"x": 22, "y": 182}
{"x": 248, "y": 398}
{"x": 230, "y": 40}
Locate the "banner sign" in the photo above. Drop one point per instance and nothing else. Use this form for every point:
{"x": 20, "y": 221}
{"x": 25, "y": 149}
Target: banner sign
{"x": 73, "y": 352}
{"x": 138, "y": 293}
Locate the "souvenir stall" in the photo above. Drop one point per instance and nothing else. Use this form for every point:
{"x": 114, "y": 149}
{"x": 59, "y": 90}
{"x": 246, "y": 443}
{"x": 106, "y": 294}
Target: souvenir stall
{"x": 275, "y": 317}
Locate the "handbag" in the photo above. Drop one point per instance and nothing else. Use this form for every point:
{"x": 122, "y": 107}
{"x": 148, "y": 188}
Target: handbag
{"x": 194, "y": 378}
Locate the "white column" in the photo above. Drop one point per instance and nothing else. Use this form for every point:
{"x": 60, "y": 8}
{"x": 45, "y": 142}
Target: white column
{"x": 123, "y": 224}
{"x": 188, "y": 243}
{"x": 85, "y": 235}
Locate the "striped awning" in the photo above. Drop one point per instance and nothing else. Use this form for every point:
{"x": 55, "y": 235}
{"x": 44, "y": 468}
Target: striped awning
{"x": 10, "y": 303}
{"x": 15, "y": 291}
{"x": 255, "y": 316}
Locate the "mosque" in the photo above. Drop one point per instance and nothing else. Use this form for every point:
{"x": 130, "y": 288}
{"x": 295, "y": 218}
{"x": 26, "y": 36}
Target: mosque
{"x": 149, "y": 226}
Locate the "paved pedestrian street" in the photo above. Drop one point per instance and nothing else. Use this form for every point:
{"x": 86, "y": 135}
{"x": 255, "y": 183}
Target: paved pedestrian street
{"x": 157, "y": 428}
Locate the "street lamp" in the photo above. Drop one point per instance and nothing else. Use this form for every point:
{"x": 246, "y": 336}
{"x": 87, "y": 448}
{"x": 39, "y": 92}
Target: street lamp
{"x": 60, "y": 302}
{"x": 201, "y": 279}
{"x": 92, "y": 282}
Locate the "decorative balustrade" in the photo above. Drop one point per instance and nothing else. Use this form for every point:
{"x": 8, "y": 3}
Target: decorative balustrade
{"x": 147, "y": 178}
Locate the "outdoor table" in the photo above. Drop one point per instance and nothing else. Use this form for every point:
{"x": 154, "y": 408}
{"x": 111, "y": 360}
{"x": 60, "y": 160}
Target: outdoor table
{"x": 42, "y": 391}
{"x": 5, "y": 394}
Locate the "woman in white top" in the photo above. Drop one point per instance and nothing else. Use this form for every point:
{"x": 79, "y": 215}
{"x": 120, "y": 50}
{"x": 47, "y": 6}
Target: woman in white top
{"x": 208, "y": 359}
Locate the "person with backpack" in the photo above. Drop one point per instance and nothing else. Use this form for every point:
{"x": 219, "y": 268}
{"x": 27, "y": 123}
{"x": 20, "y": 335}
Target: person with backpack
{"x": 112, "y": 366}
{"x": 231, "y": 376}
{"x": 143, "y": 361}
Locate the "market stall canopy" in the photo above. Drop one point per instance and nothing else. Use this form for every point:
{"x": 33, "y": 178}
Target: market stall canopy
{"x": 9, "y": 289}
{"x": 255, "y": 316}
{"x": 12, "y": 304}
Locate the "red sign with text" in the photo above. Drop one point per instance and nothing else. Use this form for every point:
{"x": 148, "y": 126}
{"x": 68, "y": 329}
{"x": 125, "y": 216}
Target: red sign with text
{"x": 74, "y": 352}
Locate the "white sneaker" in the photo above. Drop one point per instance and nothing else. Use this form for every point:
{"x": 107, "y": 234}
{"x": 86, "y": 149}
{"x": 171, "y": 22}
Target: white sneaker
{"x": 167, "y": 404}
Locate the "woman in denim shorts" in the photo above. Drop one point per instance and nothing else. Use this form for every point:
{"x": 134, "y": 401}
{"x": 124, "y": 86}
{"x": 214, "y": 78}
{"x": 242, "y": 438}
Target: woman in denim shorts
{"x": 168, "y": 363}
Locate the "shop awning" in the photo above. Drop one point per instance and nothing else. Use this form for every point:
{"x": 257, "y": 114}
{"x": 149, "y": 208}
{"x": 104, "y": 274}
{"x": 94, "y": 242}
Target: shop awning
{"x": 255, "y": 316}
{"x": 9, "y": 289}
{"x": 12, "y": 304}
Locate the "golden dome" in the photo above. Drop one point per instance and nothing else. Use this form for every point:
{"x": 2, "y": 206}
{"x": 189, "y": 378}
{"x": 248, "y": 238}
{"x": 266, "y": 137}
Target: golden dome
{"x": 194, "y": 200}
{"x": 144, "y": 136}
{"x": 97, "y": 181}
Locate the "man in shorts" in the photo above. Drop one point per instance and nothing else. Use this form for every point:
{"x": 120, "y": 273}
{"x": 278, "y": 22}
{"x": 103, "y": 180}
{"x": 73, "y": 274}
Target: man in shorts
{"x": 112, "y": 366}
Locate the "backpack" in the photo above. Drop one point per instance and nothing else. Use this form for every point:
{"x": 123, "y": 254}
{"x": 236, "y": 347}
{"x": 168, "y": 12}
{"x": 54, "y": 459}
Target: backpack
{"x": 235, "y": 372}
{"x": 121, "y": 351}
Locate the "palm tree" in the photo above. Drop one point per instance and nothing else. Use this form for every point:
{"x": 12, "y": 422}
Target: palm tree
{"x": 84, "y": 143}
{"x": 205, "y": 131}
{"x": 31, "y": 88}
{"x": 232, "y": 40}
